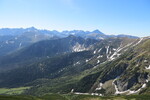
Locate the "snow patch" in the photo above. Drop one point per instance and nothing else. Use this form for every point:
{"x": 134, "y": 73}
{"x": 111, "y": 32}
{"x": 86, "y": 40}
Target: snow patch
{"x": 86, "y": 60}
{"x": 95, "y": 66}
{"x": 73, "y": 33}
{"x": 77, "y": 63}
{"x": 100, "y": 50}
{"x": 138, "y": 42}
{"x": 99, "y": 86}
{"x": 98, "y": 61}
{"x": 94, "y": 52}
{"x": 133, "y": 92}
{"x": 78, "y": 48}
{"x": 112, "y": 57}
{"x": 97, "y": 94}
{"x": 60, "y": 71}
{"x": 147, "y": 67}
{"x": 145, "y": 61}
{"x": 101, "y": 38}
{"x": 116, "y": 88}
{"x": 100, "y": 56}
{"x": 79, "y": 93}
{"x": 72, "y": 90}
{"x": 107, "y": 50}
{"x": 116, "y": 53}
{"x": 114, "y": 49}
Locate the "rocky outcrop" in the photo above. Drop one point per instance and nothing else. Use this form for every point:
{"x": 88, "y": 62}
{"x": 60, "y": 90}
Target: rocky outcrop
{"x": 125, "y": 83}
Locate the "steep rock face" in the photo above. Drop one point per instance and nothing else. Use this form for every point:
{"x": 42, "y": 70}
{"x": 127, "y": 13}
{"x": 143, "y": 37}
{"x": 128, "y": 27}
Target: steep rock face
{"x": 135, "y": 77}
{"x": 130, "y": 81}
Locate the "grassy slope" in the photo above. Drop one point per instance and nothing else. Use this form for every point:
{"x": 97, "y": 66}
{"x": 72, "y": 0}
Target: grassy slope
{"x": 10, "y": 91}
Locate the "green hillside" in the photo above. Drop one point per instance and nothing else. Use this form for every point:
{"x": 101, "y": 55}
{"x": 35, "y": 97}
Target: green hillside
{"x": 112, "y": 66}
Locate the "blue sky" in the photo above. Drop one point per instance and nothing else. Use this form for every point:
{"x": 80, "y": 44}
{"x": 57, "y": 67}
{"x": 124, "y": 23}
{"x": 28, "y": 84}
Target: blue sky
{"x": 109, "y": 16}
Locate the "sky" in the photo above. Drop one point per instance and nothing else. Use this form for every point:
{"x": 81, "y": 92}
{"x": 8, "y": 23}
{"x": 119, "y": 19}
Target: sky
{"x": 130, "y": 17}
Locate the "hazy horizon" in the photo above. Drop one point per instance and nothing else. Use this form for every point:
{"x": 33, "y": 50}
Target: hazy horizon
{"x": 67, "y": 30}
{"x": 111, "y": 17}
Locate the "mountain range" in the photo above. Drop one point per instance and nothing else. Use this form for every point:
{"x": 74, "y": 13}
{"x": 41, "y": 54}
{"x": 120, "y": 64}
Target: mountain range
{"x": 80, "y": 62}
{"x": 12, "y": 39}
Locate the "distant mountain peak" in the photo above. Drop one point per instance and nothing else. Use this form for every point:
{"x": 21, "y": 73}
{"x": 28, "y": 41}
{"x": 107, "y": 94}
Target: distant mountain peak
{"x": 31, "y": 28}
{"x": 97, "y": 31}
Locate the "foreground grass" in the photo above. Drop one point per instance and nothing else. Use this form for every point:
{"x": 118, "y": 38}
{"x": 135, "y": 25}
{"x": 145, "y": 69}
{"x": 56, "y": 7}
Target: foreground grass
{"x": 74, "y": 97}
{"x": 12, "y": 91}
{"x": 19, "y": 98}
